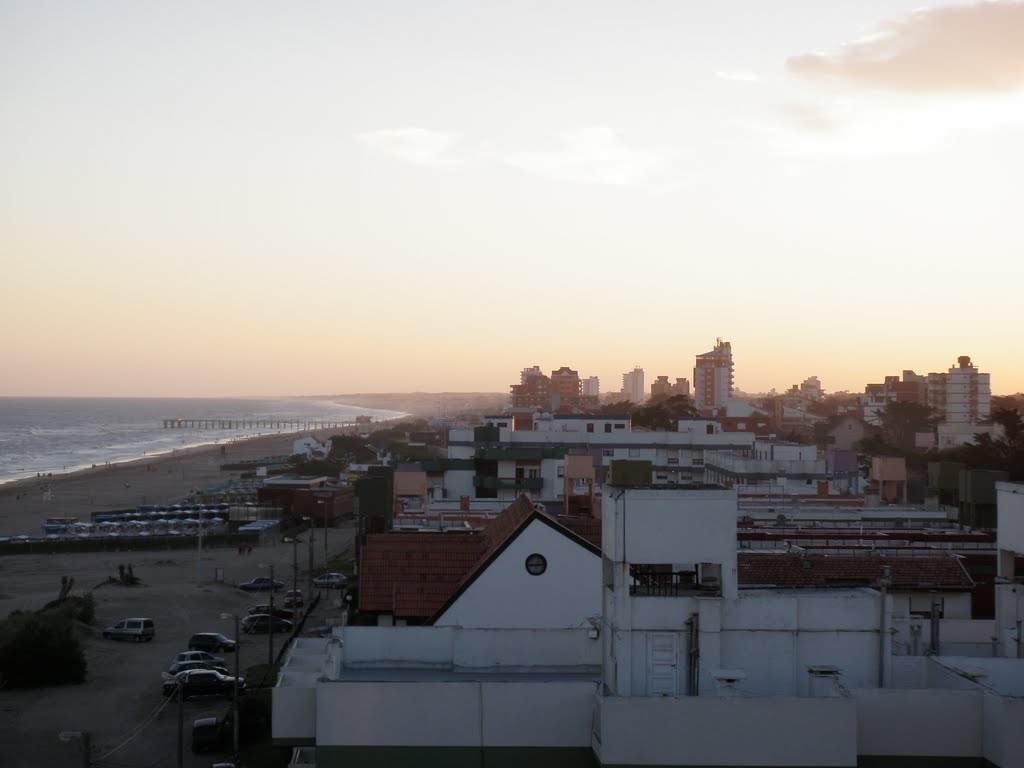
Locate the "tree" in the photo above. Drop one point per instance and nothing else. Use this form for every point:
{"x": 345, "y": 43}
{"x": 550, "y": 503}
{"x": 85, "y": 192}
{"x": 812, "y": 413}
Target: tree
{"x": 664, "y": 415}
{"x": 901, "y": 421}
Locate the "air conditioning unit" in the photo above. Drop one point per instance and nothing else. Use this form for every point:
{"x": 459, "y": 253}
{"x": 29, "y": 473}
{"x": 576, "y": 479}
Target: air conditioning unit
{"x": 709, "y": 576}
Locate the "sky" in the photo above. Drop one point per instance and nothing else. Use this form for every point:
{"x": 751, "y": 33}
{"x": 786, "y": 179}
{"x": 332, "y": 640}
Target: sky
{"x": 266, "y": 198}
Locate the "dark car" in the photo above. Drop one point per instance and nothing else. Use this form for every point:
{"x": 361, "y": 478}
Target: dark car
{"x": 211, "y": 641}
{"x": 261, "y": 584}
{"x": 280, "y": 613}
{"x": 201, "y": 682}
{"x": 293, "y": 598}
{"x": 331, "y": 580}
{"x": 183, "y": 666}
{"x": 208, "y": 733}
{"x": 262, "y": 623}
{"x": 194, "y": 655}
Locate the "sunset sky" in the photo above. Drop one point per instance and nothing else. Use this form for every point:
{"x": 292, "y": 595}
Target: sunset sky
{"x": 240, "y": 198}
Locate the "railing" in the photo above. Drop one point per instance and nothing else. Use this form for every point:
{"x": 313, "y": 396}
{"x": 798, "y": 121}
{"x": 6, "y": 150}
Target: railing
{"x": 650, "y": 581}
{"x": 498, "y": 483}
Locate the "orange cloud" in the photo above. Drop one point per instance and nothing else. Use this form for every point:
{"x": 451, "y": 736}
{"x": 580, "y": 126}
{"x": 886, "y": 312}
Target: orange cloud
{"x": 977, "y": 47}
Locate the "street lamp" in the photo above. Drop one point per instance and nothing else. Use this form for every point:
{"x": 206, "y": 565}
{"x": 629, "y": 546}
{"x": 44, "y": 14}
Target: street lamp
{"x": 238, "y": 652}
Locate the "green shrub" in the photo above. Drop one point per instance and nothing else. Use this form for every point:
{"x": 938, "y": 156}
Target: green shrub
{"x": 40, "y": 649}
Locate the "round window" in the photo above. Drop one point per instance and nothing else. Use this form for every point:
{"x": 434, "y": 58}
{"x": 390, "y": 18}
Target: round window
{"x": 536, "y": 564}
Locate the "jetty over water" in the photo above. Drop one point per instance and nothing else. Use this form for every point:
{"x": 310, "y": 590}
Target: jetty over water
{"x": 287, "y": 425}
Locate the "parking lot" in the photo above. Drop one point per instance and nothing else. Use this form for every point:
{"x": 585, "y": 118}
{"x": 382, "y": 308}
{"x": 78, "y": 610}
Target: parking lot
{"x": 121, "y": 704}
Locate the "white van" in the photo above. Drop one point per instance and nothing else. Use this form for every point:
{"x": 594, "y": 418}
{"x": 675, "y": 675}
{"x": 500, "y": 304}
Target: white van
{"x": 131, "y": 629}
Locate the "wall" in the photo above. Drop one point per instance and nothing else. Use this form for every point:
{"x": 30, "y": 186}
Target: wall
{"x": 920, "y": 723}
{"x": 506, "y": 596}
{"x": 728, "y": 731}
{"x": 1003, "y": 743}
{"x": 294, "y": 713}
{"x": 1010, "y": 503}
{"x": 453, "y": 648}
{"x": 647, "y": 525}
{"x": 455, "y": 714}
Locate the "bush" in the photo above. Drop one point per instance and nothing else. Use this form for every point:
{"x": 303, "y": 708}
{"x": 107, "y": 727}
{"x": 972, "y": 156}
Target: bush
{"x": 40, "y": 649}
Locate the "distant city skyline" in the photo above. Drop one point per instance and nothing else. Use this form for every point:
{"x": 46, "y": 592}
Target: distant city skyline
{"x": 255, "y": 198}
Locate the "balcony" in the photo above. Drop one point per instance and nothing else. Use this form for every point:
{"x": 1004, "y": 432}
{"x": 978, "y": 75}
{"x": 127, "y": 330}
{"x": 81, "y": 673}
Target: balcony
{"x": 508, "y": 483}
{"x": 651, "y": 581}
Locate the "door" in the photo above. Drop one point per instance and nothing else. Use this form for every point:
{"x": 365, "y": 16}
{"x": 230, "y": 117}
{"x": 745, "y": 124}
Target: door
{"x": 662, "y": 659}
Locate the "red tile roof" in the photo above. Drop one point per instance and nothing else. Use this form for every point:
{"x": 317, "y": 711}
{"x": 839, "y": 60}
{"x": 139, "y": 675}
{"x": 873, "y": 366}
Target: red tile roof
{"x": 783, "y": 569}
{"x": 411, "y": 575}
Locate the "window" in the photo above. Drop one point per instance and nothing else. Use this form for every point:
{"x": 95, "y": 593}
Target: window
{"x": 673, "y": 461}
{"x": 710, "y": 429}
{"x": 607, "y": 427}
{"x": 536, "y": 564}
{"x": 608, "y": 452}
{"x": 561, "y": 470}
{"x": 620, "y": 426}
{"x": 590, "y": 427}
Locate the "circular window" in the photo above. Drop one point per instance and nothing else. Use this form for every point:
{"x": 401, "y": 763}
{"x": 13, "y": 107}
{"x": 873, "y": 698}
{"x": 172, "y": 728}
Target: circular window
{"x": 536, "y": 564}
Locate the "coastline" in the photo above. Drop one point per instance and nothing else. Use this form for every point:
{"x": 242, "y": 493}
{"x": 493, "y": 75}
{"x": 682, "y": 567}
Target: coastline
{"x": 159, "y": 479}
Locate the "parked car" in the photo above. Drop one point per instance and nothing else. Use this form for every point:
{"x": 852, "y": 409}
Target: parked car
{"x": 261, "y": 584}
{"x": 201, "y": 682}
{"x": 262, "y": 623}
{"x": 184, "y": 666}
{"x": 131, "y": 629}
{"x": 281, "y": 613}
{"x": 208, "y": 733}
{"x": 209, "y": 658}
{"x": 293, "y": 598}
{"x": 211, "y": 641}
{"x": 331, "y": 580}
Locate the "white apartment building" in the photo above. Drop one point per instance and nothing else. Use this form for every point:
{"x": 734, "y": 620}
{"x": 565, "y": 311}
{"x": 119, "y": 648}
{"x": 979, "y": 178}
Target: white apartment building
{"x": 713, "y": 377}
{"x": 633, "y": 385}
{"x": 962, "y": 395}
{"x": 663, "y": 661}
{"x": 533, "y": 460}
{"x": 591, "y": 386}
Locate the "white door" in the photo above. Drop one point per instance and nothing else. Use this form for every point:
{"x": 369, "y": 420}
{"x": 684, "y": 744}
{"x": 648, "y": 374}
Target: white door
{"x": 662, "y": 659}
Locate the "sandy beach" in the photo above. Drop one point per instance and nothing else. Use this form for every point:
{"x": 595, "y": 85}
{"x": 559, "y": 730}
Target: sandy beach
{"x": 163, "y": 479}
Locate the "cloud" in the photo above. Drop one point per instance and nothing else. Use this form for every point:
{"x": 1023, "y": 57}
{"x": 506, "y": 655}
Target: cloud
{"x": 977, "y": 47}
{"x": 740, "y": 76}
{"x": 812, "y": 119}
{"x": 415, "y": 145}
{"x": 594, "y": 154}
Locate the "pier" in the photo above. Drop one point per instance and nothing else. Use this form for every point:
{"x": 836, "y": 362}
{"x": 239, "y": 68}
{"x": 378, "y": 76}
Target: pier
{"x": 284, "y": 425}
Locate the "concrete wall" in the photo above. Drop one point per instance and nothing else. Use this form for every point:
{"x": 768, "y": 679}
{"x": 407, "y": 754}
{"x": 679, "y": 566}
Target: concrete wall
{"x": 1004, "y": 737}
{"x": 454, "y": 648}
{"x": 507, "y": 596}
{"x": 647, "y": 525}
{"x": 727, "y": 731}
{"x": 1010, "y": 506}
{"x": 454, "y": 714}
{"x": 919, "y": 723}
{"x": 294, "y": 713}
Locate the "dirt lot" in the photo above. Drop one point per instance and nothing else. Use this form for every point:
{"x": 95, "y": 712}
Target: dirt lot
{"x": 120, "y": 704}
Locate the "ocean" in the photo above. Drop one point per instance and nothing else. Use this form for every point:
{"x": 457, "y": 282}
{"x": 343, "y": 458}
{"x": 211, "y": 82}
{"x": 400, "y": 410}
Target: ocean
{"x": 43, "y": 435}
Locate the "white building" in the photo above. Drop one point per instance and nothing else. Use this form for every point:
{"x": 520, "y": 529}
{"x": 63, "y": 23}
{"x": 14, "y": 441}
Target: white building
{"x": 713, "y": 377}
{"x": 677, "y": 667}
{"x": 962, "y": 395}
{"x": 533, "y": 460}
{"x": 633, "y": 385}
{"x": 591, "y": 386}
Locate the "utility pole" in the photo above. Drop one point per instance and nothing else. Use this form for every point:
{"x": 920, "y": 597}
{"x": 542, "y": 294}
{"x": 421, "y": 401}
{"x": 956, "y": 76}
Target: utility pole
{"x": 270, "y": 629}
{"x": 309, "y": 594}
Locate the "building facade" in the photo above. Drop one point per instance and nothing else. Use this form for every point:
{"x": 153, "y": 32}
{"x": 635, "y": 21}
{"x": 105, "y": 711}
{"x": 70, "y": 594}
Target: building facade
{"x": 713, "y": 378}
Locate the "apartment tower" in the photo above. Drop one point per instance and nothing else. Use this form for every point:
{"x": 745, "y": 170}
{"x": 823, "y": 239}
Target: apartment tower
{"x": 712, "y": 377}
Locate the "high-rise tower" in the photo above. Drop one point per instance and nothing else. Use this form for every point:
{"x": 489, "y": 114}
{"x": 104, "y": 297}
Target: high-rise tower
{"x": 712, "y": 377}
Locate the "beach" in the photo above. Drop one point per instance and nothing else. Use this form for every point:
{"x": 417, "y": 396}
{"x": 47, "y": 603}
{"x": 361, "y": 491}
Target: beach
{"x": 162, "y": 479}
